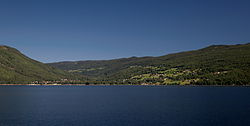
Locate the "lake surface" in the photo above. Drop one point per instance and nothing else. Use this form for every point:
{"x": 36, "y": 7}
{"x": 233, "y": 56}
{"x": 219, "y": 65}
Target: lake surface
{"x": 124, "y": 106}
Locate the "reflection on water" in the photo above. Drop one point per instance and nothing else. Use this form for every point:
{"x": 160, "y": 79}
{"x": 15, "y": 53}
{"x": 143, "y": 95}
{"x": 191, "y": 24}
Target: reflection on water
{"x": 124, "y": 105}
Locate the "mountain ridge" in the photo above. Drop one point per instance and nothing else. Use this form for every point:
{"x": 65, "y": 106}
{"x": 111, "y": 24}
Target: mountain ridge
{"x": 209, "y": 46}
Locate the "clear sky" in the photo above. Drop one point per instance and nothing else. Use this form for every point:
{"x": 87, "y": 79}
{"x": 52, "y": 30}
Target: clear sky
{"x": 60, "y": 30}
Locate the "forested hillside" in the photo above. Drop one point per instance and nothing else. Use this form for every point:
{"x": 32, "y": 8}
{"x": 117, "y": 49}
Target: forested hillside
{"x": 213, "y": 65}
{"x": 17, "y": 68}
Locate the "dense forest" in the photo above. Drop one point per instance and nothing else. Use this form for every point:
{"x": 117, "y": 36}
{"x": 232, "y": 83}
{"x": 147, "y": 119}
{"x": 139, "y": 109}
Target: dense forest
{"x": 213, "y": 65}
{"x": 16, "y": 68}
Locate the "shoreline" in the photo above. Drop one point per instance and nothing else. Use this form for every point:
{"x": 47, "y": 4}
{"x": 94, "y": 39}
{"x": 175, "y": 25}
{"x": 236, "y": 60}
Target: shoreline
{"x": 122, "y": 85}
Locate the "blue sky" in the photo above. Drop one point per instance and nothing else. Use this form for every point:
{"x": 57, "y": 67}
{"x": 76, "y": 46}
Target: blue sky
{"x": 57, "y": 30}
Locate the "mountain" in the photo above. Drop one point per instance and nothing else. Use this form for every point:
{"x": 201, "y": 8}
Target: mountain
{"x": 213, "y": 65}
{"x": 18, "y": 68}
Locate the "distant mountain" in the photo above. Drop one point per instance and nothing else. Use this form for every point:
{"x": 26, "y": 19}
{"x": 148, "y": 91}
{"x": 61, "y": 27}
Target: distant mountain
{"x": 213, "y": 65}
{"x": 18, "y": 68}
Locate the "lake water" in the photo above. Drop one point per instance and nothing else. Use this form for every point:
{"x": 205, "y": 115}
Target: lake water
{"x": 124, "y": 106}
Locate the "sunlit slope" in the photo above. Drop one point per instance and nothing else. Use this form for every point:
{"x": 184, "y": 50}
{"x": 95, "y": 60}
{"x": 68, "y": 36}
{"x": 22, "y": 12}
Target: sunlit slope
{"x": 216, "y": 64}
{"x": 18, "y": 68}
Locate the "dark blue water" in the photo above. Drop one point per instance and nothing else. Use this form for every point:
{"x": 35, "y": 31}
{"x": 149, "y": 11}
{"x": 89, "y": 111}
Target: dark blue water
{"x": 124, "y": 106}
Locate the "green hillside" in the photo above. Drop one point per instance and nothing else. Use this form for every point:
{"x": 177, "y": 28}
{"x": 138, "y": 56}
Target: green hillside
{"x": 214, "y": 65}
{"x": 17, "y": 68}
